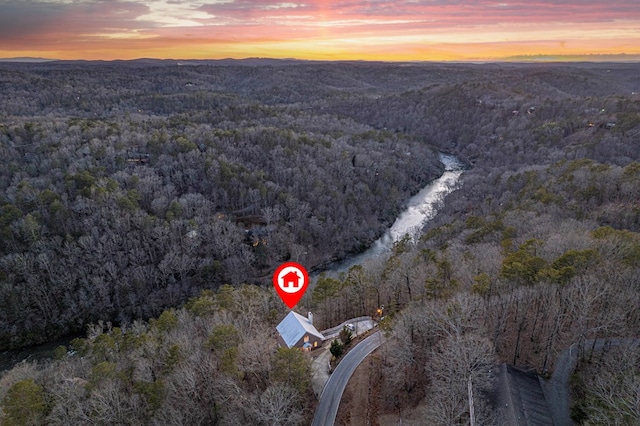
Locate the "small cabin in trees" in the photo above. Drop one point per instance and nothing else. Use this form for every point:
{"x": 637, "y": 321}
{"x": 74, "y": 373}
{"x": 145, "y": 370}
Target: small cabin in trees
{"x": 135, "y": 157}
{"x": 298, "y": 331}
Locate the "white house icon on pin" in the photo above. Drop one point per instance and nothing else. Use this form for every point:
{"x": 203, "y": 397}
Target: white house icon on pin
{"x": 291, "y": 279}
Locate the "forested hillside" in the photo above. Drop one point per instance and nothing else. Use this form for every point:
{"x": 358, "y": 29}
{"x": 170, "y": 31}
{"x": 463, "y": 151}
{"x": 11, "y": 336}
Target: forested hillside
{"x": 249, "y": 165}
{"x": 127, "y": 190}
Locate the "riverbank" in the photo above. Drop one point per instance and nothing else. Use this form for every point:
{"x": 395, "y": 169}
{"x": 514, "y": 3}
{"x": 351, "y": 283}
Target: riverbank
{"x": 41, "y": 352}
{"x": 418, "y": 210}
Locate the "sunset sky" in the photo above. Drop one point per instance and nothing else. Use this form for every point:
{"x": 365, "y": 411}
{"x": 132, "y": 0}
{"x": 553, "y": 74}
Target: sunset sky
{"x": 318, "y": 29}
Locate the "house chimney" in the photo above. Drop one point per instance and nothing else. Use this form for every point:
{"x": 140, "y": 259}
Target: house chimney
{"x": 310, "y": 317}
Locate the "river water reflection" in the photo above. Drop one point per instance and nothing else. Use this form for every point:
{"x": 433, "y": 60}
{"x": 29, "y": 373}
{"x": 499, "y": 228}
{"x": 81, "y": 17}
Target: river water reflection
{"x": 419, "y": 209}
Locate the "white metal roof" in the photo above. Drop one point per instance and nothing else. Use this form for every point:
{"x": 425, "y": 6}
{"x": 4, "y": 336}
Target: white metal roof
{"x": 294, "y": 326}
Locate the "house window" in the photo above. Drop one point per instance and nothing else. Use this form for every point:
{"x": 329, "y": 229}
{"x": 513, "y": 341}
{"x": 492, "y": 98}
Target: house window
{"x": 315, "y": 344}
{"x": 306, "y": 339}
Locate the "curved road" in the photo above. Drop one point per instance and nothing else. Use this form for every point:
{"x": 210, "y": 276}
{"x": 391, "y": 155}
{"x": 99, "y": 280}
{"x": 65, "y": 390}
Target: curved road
{"x": 558, "y": 388}
{"x": 332, "y": 392}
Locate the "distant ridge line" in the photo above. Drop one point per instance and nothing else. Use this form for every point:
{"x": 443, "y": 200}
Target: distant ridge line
{"x": 27, "y": 59}
{"x": 261, "y": 61}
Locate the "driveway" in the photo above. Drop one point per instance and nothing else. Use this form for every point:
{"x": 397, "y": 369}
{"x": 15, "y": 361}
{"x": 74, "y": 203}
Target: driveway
{"x": 361, "y": 324}
{"x": 320, "y": 369}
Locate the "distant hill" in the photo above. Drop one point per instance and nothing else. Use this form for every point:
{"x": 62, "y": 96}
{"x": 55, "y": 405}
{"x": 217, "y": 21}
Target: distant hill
{"x": 26, "y": 59}
{"x": 165, "y": 62}
{"x": 574, "y": 58}
{"x": 256, "y": 61}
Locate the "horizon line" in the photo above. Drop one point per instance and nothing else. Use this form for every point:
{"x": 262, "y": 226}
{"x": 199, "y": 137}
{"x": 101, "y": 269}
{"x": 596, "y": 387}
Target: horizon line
{"x": 539, "y": 58}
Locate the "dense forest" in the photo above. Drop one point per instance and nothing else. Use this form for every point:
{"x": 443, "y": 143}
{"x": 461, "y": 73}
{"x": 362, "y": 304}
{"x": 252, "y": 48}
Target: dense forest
{"x": 152, "y": 189}
{"x": 128, "y": 190}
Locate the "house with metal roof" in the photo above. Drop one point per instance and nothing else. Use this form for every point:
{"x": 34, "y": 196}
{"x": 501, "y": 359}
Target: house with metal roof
{"x": 298, "y": 331}
{"x": 519, "y": 398}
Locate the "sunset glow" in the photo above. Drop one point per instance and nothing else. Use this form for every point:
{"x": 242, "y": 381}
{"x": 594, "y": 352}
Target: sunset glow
{"x": 318, "y": 29}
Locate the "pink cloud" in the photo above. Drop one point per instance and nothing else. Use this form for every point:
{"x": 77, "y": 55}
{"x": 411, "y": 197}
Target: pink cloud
{"x": 491, "y": 12}
{"x": 103, "y": 25}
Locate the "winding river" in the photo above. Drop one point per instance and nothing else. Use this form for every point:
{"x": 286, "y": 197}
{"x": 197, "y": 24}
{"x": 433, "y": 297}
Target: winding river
{"x": 419, "y": 210}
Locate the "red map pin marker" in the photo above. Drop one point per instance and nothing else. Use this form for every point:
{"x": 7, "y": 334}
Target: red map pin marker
{"x": 291, "y": 281}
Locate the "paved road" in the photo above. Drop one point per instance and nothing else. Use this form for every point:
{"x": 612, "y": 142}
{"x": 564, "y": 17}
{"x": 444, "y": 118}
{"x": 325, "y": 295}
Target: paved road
{"x": 320, "y": 366}
{"x": 557, "y": 389}
{"x": 332, "y": 393}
